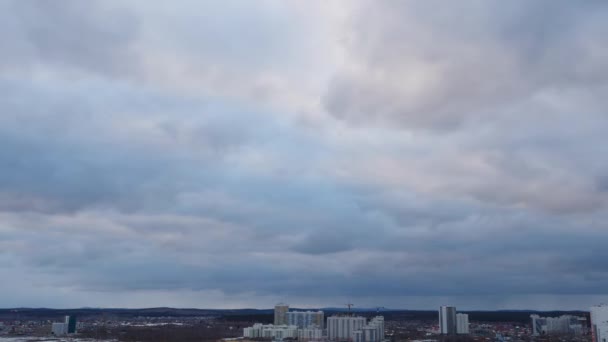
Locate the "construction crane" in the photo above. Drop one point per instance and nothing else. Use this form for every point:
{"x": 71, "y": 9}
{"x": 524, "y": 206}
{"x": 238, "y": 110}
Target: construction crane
{"x": 350, "y": 305}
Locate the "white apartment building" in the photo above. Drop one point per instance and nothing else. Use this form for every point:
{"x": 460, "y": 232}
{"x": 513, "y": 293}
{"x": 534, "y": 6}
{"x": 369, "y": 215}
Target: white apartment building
{"x": 276, "y": 332}
{"x": 371, "y": 332}
{"x": 447, "y": 320}
{"x": 462, "y": 323}
{"x": 310, "y": 334}
{"x": 565, "y": 324}
{"x": 341, "y": 328}
{"x": 599, "y": 323}
{"x": 305, "y": 319}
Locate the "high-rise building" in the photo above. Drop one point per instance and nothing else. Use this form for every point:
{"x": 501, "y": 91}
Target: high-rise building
{"x": 67, "y": 327}
{"x": 447, "y": 320}
{"x": 310, "y": 334}
{"x": 372, "y": 332}
{"x": 341, "y": 328}
{"x": 565, "y": 324}
{"x": 270, "y": 331}
{"x": 538, "y": 324}
{"x": 462, "y": 323}
{"x": 280, "y": 314}
{"x": 305, "y": 319}
{"x": 378, "y": 321}
{"x": 599, "y": 323}
{"x": 59, "y": 329}
{"x": 70, "y": 322}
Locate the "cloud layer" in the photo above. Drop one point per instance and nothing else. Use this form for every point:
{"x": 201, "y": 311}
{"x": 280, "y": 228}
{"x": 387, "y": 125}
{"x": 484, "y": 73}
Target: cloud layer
{"x": 400, "y": 153}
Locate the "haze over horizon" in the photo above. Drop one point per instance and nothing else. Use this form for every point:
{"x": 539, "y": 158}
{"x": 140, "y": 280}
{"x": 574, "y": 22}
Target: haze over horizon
{"x": 233, "y": 154}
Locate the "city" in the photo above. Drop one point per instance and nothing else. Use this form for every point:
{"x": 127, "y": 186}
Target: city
{"x": 286, "y": 324}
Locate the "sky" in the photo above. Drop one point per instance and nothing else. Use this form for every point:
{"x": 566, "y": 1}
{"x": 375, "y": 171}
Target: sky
{"x": 232, "y": 154}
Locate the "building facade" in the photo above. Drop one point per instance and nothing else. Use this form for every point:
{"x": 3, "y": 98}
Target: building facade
{"x": 565, "y": 324}
{"x": 341, "y": 328}
{"x": 462, "y": 323}
{"x": 310, "y": 334}
{"x": 305, "y": 319}
{"x": 59, "y": 329}
{"x": 275, "y": 332}
{"x": 280, "y": 314}
{"x": 68, "y": 326}
{"x": 447, "y": 320}
{"x": 538, "y": 324}
{"x": 371, "y": 332}
{"x": 70, "y": 322}
{"x": 599, "y": 323}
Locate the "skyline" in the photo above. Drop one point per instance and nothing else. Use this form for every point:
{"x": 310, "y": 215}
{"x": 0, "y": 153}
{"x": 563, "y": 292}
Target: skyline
{"x": 239, "y": 154}
{"x": 329, "y": 309}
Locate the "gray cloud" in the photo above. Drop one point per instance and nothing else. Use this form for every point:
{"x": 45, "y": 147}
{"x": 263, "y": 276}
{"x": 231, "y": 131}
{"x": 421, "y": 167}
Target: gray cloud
{"x": 141, "y": 167}
{"x": 432, "y": 65}
{"x": 325, "y": 242}
{"x": 68, "y": 34}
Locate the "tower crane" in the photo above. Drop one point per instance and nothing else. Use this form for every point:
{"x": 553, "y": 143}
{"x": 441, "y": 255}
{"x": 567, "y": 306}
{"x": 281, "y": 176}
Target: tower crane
{"x": 350, "y": 305}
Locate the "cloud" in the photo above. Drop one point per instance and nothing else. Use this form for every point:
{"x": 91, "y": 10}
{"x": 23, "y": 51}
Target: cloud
{"x": 68, "y": 35}
{"x": 404, "y": 154}
{"x": 430, "y": 65}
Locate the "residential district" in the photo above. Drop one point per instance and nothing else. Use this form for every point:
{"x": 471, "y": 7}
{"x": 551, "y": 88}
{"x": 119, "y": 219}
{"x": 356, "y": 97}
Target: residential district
{"x": 289, "y": 325}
